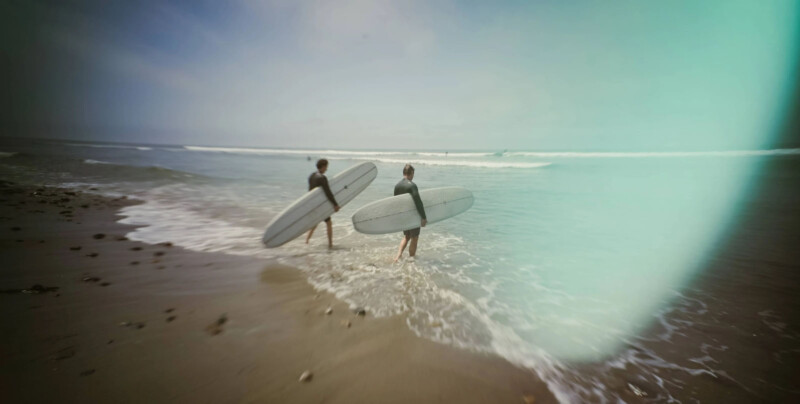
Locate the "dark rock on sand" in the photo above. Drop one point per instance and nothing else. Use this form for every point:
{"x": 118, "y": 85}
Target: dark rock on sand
{"x": 65, "y": 353}
{"x": 167, "y": 244}
{"x": 91, "y": 279}
{"x": 93, "y": 255}
{"x": 360, "y": 311}
{"x": 36, "y": 289}
{"x": 169, "y": 310}
{"x": 171, "y": 318}
{"x": 136, "y": 248}
{"x": 75, "y": 248}
{"x": 98, "y": 236}
{"x": 122, "y": 238}
{"x": 216, "y": 327}
{"x": 105, "y": 283}
{"x": 134, "y": 262}
{"x": 138, "y": 325}
{"x": 159, "y": 253}
{"x": 39, "y": 289}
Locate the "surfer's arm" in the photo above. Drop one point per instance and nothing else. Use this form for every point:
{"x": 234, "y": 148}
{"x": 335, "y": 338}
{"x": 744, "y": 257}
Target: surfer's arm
{"x": 418, "y": 202}
{"x": 327, "y": 189}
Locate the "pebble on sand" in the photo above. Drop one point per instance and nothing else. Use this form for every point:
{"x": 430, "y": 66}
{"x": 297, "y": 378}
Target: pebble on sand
{"x": 329, "y": 311}
{"x": 98, "y": 236}
{"x": 91, "y": 279}
{"x": 78, "y": 248}
{"x": 92, "y": 255}
{"x": 136, "y": 248}
{"x": 306, "y": 376}
{"x": 36, "y": 289}
{"x": 134, "y": 262}
{"x": 138, "y": 325}
{"x": 171, "y": 318}
{"x": 215, "y": 328}
{"x": 528, "y": 399}
{"x": 346, "y": 323}
{"x": 360, "y": 311}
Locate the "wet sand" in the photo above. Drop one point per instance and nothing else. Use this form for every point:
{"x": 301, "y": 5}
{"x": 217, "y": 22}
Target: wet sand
{"x": 739, "y": 320}
{"x": 89, "y": 316}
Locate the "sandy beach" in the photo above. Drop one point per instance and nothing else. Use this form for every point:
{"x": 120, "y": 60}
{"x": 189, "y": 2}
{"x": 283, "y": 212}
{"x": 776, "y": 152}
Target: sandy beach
{"x": 89, "y": 316}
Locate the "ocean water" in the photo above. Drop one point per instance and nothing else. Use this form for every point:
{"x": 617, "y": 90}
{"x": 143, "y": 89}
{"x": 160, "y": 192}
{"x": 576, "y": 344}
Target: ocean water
{"x": 573, "y": 264}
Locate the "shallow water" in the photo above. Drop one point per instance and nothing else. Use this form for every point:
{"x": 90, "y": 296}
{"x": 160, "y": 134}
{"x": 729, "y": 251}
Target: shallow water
{"x": 590, "y": 268}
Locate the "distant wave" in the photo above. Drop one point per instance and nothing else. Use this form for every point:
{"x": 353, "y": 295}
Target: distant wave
{"x": 245, "y": 150}
{"x": 90, "y": 161}
{"x": 464, "y": 163}
{"x": 726, "y": 153}
{"x": 7, "y": 154}
{"x": 108, "y": 146}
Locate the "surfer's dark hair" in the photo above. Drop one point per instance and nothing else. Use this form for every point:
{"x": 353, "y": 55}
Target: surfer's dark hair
{"x": 408, "y": 169}
{"x": 322, "y": 163}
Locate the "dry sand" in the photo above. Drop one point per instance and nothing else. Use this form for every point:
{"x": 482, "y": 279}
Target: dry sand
{"x": 132, "y": 322}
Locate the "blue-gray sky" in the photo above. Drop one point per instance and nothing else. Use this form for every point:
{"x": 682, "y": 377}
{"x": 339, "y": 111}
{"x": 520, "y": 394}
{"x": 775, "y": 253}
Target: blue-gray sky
{"x": 614, "y": 75}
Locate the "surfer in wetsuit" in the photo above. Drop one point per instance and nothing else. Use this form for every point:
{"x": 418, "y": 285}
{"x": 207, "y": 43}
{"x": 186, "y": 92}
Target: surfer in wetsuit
{"x": 318, "y": 179}
{"x": 405, "y": 186}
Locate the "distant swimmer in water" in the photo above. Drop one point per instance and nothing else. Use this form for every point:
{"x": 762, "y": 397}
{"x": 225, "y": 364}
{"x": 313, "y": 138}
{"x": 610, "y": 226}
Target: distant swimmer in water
{"x": 318, "y": 179}
{"x": 405, "y": 186}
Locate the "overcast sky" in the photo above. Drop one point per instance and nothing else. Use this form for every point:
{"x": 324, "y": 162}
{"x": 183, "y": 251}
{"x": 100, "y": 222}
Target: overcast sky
{"x": 567, "y": 75}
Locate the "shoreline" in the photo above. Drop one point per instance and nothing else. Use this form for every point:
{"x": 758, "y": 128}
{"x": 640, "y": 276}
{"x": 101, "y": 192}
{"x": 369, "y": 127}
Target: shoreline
{"x": 136, "y": 322}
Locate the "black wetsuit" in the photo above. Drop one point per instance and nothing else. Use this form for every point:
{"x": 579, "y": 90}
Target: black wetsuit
{"x": 319, "y": 180}
{"x": 405, "y": 186}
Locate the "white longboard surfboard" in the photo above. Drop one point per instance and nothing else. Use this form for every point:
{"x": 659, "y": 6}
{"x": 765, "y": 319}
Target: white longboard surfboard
{"x": 314, "y": 206}
{"x": 399, "y": 213}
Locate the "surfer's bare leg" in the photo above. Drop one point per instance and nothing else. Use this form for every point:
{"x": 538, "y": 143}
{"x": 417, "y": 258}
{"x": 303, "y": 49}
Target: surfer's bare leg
{"x": 412, "y": 247}
{"x": 330, "y": 233}
{"x": 310, "y": 232}
{"x": 402, "y": 247}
